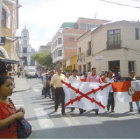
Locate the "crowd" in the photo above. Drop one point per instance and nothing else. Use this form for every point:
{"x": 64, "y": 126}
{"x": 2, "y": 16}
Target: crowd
{"x": 52, "y": 86}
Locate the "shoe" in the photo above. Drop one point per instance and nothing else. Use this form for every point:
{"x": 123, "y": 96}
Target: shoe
{"x": 82, "y": 111}
{"x": 72, "y": 110}
{"x": 55, "y": 110}
{"x": 131, "y": 110}
{"x": 112, "y": 111}
{"x": 64, "y": 114}
{"x": 96, "y": 112}
{"x": 139, "y": 111}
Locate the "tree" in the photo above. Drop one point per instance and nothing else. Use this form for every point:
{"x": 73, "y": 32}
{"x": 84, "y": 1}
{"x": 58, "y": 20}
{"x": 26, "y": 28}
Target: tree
{"x": 43, "y": 59}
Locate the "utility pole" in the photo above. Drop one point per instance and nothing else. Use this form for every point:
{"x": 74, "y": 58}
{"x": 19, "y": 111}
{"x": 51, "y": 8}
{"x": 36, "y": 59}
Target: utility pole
{"x": 0, "y": 19}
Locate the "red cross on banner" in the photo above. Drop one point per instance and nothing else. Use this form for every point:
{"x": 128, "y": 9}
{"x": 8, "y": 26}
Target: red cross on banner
{"x": 93, "y": 91}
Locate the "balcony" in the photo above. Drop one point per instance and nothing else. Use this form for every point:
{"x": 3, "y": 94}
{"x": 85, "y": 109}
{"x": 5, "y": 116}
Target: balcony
{"x": 113, "y": 45}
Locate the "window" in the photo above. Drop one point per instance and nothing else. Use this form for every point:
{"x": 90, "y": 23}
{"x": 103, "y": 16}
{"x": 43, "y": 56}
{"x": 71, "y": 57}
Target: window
{"x": 89, "y": 49}
{"x": 80, "y": 69}
{"x": 4, "y": 16}
{"x": 59, "y": 40}
{"x": 79, "y": 50}
{"x": 114, "y": 39}
{"x": 131, "y": 66}
{"x": 84, "y": 67}
{"x": 59, "y": 52}
{"x": 82, "y": 26}
{"x": 137, "y": 33}
{"x": 89, "y": 66}
{"x": 71, "y": 39}
{"x": 24, "y": 50}
{"x": 114, "y": 66}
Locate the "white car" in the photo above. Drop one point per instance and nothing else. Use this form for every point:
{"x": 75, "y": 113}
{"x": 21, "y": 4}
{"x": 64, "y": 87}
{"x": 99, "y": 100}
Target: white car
{"x": 30, "y": 73}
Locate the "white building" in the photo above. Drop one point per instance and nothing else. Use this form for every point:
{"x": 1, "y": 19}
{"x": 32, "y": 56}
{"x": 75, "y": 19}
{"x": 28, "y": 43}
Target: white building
{"x": 26, "y": 50}
{"x": 113, "y": 46}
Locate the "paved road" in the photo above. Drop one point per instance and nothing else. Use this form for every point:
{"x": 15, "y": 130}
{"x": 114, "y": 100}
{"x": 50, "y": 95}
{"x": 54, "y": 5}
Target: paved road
{"x": 47, "y": 124}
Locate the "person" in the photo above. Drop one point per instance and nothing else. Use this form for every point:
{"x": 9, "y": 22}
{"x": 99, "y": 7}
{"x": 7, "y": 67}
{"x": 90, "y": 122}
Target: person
{"x": 59, "y": 92}
{"x": 84, "y": 76}
{"x": 8, "y": 113}
{"x": 51, "y": 87}
{"x": 118, "y": 77}
{"x": 93, "y": 77}
{"x": 133, "y": 78}
{"x": 47, "y": 87}
{"x": 111, "y": 102}
{"x": 103, "y": 77}
{"x": 74, "y": 78}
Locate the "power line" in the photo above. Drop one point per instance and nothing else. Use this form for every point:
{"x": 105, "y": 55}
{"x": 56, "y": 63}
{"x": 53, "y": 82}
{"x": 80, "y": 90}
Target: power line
{"x": 121, "y": 4}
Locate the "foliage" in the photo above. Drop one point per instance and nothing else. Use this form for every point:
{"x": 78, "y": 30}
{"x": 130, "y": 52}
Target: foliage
{"x": 43, "y": 59}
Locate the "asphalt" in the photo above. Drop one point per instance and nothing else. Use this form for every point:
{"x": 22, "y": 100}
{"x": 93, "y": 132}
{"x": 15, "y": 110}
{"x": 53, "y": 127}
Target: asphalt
{"x": 21, "y": 84}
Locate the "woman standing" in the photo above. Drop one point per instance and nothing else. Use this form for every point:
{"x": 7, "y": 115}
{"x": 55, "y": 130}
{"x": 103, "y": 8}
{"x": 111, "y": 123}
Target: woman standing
{"x": 8, "y": 113}
{"x": 109, "y": 79}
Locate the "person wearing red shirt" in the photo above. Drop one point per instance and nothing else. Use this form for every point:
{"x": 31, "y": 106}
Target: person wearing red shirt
{"x": 8, "y": 113}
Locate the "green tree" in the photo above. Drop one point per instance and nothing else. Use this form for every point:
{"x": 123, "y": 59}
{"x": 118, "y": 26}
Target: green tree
{"x": 43, "y": 59}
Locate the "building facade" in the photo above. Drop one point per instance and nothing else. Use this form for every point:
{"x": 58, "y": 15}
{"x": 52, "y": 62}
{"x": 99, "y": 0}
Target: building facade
{"x": 26, "y": 50}
{"x": 64, "y": 43}
{"x": 9, "y": 26}
{"x": 113, "y": 46}
{"x": 45, "y": 48}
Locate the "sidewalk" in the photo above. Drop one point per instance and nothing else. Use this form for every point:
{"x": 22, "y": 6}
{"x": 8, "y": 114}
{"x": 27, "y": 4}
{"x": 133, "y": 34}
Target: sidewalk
{"x": 21, "y": 84}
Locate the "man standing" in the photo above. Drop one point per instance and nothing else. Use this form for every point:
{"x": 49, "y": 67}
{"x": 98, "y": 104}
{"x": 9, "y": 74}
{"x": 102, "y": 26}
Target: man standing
{"x": 133, "y": 78}
{"x": 59, "y": 92}
{"x": 74, "y": 78}
{"x": 93, "y": 77}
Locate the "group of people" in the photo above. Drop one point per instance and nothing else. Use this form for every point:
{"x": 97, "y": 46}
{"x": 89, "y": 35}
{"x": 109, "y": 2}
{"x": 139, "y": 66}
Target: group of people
{"x": 107, "y": 77}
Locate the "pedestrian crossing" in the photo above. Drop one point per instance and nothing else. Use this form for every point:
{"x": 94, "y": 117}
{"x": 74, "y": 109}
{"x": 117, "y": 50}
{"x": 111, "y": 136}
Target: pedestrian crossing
{"x": 45, "y": 117}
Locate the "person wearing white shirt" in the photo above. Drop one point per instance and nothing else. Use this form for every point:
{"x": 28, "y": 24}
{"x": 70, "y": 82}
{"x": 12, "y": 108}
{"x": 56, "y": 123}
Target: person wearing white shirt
{"x": 111, "y": 102}
{"x": 74, "y": 78}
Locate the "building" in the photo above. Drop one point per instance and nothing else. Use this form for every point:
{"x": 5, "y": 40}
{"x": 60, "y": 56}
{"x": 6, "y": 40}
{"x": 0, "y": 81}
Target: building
{"x": 64, "y": 43}
{"x": 26, "y": 51}
{"x": 9, "y": 26}
{"x": 45, "y": 48}
{"x": 113, "y": 46}
{"x": 87, "y": 23}
{"x": 70, "y": 63}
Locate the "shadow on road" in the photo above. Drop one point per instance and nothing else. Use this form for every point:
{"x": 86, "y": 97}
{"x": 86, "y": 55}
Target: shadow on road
{"x": 108, "y": 129}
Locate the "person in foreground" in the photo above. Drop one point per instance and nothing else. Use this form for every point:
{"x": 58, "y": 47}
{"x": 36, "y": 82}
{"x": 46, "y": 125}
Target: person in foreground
{"x": 8, "y": 113}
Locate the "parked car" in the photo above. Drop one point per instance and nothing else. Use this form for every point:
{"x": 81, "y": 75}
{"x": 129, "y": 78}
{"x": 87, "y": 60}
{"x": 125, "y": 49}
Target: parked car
{"x": 30, "y": 73}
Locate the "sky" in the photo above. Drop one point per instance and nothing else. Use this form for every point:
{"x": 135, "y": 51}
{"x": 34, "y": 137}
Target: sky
{"x": 43, "y": 18}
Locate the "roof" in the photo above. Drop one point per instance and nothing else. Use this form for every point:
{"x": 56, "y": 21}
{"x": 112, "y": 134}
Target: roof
{"x": 68, "y": 25}
{"x": 8, "y": 61}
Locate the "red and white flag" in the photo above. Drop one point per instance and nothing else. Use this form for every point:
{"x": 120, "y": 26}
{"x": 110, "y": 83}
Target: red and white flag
{"x": 126, "y": 91}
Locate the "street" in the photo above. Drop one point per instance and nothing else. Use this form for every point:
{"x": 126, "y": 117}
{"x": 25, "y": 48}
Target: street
{"x": 48, "y": 124}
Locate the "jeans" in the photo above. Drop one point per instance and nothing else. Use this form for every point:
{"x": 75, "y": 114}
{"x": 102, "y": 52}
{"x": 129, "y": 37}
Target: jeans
{"x": 137, "y": 104}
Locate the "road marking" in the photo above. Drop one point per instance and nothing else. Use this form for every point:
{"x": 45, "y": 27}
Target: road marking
{"x": 70, "y": 121}
{"x": 43, "y": 119}
{"x": 36, "y": 90}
